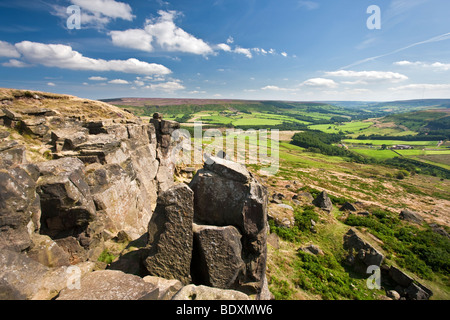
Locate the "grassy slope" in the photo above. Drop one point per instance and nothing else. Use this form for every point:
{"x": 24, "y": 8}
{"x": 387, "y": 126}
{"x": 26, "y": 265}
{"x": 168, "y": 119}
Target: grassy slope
{"x": 368, "y": 184}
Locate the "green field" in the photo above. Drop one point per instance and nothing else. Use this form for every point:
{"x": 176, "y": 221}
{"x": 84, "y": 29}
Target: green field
{"x": 391, "y": 142}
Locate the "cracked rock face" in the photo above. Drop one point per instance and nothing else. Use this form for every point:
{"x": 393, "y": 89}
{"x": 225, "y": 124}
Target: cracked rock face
{"x": 171, "y": 235}
{"x": 226, "y": 194}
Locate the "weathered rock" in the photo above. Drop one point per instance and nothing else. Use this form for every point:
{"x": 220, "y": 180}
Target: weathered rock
{"x": 19, "y": 209}
{"x": 360, "y": 253}
{"x": 400, "y": 277}
{"x": 394, "y": 295}
{"x": 216, "y": 260}
{"x": 417, "y": 292}
{"x": 117, "y": 199}
{"x": 167, "y": 288}
{"x": 24, "y": 278}
{"x": 227, "y": 194}
{"x": 47, "y": 252}
{"x": 281, "y": 214}
{"x": 170, "y": 235}
{"x": 348, "y": 207}
{"x": 11, "y": 154}
{"x": 411, "y": 216}
{"x": 273, "y": 240}
{"x": 323, "y": 202}
{"x": 313, "y": 249}
{"x": 109, "y": 285}
{"x": 193, "y": 292}
{"x": 66, "y": 201}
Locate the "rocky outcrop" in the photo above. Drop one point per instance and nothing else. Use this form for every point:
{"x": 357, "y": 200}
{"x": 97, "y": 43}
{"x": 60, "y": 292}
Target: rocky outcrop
{"x": 323, "y": 202}
{"x": 193, "y": 292}
{"x": 170, "y": 235}
{"x": 217, "y": 258}
{"x": 411, "y": 216}
{"x": 111, "y": 181}
{"x": 110, "y": 285}
{"x": 361, "y": 254}
{"x": 227, "y": 194}
{"x": 405, "y": 286}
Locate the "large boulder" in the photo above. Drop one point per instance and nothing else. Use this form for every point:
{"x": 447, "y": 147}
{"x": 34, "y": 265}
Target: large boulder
{"x": 216, "y": 260}
{"x": 411, "y": 216}
{"x": 226, "y": 193}
{"x": 171, "y": 236}
{"x": 110, "y": 285}
{"x": 24, "y": 278}
{"x": 193, "y": 292}
{"x": 361, "y": 254}
{"x": 66, "y": 201}
{"x": 19, "y": 209}
{"x": 117, "y": 199}
{"x": 323, "y": 201}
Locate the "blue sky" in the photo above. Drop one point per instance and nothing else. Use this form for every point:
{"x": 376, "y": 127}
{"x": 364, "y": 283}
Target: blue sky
{"x": 299, "y": 50}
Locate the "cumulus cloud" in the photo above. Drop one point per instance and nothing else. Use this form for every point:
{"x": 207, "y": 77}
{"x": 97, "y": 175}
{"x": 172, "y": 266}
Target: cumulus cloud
{"x": 96, "y": 13}
{"x": 118, "y": 81}
{"x": 161, "y": 33}
{"x": 64, "y": 57}
{"x": 369, "y": 75}
{"x": 274, "y": 88}
{"x": 320, "y": 83}
{"x": 15, "y": 64}
{"x": 439, "y": 66}
{"x": 243, "y": 51}
{"x": 423, "y": 86}
{"x": 169, "y": 86}
{"x": 8, "y": 50}
{"x": 97, "y": 78}
{"x": 133, "y": 38}
{"x": 109, "y": 8}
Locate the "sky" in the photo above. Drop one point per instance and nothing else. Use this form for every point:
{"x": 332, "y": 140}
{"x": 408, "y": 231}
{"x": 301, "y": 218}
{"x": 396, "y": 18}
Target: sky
{"x": 296, "y": 50}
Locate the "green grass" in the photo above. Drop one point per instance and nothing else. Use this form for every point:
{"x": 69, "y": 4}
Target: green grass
{"x": 350, "y": 127}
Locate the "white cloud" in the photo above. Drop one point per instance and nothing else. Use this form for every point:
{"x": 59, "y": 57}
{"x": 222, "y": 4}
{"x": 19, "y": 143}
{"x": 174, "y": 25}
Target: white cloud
{"x": 161, "y": 33}
{"x": 118, "y": 81}
{"x": 369, "y": 75}
{"x": 8, "y": 50}
{"x": 97, "y": 78}
{"x": 224, "y": 47}
{"x": 423, "y": 86}
{"x": 169, "y": 86}
{"x": 320, "y": 83}
{"x": 284, "y": 54}
{"x": 96, "y": 13}
{"x": 63, "y": 56}
{"x": 274, "y": 88}
{"x": 230, "y": 40}
{"x": 108, "y": 8}
{"x": 436, "y": 65}
{"x": 133, "y": 38}
{"x": 51, "y": 84}
{"x": 15, "y": 64}
{"x": 243, "y": 51}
